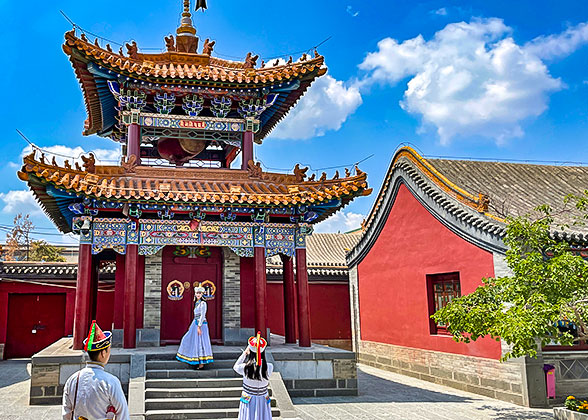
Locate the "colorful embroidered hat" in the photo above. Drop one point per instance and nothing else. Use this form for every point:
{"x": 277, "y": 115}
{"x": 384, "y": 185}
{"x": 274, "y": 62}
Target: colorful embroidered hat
{"x": 97, "y": 339}
{"x": 257, "y": 344}
{"x": 199, "y": 289}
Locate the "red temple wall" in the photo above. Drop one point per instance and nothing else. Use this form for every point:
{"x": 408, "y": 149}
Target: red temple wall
{"x": 330, "y": 317}
{"x": 392, "y": 279}
{"x": 104, "y": 313}
{"x": 329, "y": 306}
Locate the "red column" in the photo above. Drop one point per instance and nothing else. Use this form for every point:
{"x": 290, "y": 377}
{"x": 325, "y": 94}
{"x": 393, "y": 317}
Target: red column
{"x": 134, "y": 142}
{"x": 303, "y": 298}
{"x": 83, "y": 296}
{"x": 247, "y": 151}
{"x": 289, "y": 299}
{"x": 94, "y": 287}
{"x": 119, "y": 291}
{"x": 130, "y": 305}
{"x": 140, "y": 290}
{"x": 260, "y": 291}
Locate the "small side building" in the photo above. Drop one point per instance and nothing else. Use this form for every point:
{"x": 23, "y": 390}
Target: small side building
{"x": 435, "y": 230}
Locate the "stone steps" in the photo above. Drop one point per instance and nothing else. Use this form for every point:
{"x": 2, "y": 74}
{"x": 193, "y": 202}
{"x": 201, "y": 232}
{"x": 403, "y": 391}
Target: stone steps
{"x": 191, "y": 373}
{"x": 193, "y": 383}
{"x": 198, "y": 392}
{"x": 224, "y": 355}
{"x": 194, "y": 403}
{"x": 174, "y": 390}
{"x": 199, "y": 414}
{"x": 175, "y": 364}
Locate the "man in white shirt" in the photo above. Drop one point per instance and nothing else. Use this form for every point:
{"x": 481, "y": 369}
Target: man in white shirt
{"x": 92, "y": 393}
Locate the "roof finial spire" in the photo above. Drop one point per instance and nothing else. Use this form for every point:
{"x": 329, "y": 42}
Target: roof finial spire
{"x": 186, "y": 26}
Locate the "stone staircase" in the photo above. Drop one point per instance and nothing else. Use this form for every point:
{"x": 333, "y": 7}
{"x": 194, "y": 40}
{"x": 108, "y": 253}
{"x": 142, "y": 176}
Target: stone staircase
{"x": 175, "y": 390}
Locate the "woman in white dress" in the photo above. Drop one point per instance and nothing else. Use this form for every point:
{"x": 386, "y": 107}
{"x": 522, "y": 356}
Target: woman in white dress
{"x": 255, "y": 400}
{"x": 195, "y": 347}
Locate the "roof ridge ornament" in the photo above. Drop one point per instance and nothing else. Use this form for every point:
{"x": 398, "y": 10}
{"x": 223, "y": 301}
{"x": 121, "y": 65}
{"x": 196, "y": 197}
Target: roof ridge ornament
{"x": 300, "y": 173}
{"x": 200, "y": 4}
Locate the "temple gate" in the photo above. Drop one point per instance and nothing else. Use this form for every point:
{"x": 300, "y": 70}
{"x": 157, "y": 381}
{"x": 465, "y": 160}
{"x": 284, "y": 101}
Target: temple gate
{"x": 178, "y": 197}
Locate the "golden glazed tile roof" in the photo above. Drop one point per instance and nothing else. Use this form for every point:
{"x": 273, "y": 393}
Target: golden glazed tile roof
{"x": 179, "y": 69}
{"x": 186, "y": 185}
{"x": 325, "y": 250}
{"x": 182, "y": 67}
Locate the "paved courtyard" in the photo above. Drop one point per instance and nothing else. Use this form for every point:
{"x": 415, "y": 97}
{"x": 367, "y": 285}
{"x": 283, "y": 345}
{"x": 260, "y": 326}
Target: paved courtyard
{"x": 14, "y": 394}
{"x": 384, "y": 395}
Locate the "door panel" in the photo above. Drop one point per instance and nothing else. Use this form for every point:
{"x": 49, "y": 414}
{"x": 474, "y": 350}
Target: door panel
{"x": 183, "y": 269}
{"x": 208, "y": 275}
{"x": 176, "y": 301}
{"x": 34, "y": 322}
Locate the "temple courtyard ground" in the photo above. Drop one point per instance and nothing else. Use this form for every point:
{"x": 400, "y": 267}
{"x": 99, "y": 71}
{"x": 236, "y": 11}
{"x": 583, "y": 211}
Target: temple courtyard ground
{"x": 383, "y": 395}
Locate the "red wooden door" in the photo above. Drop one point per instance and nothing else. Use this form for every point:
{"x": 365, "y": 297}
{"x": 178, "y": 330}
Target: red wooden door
{"x": 184, "y": 268}
{"x": 34, "y": 322}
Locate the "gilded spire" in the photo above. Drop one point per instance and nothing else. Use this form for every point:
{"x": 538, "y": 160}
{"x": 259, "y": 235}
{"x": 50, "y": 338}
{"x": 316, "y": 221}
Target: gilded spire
{"x": 186, "y": 26}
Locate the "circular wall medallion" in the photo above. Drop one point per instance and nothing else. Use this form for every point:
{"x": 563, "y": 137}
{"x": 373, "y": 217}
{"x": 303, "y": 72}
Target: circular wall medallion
{"x": 175, "y": 290}
{"x": 209, "y": 289}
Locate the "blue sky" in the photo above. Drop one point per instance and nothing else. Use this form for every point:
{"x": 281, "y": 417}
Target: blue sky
{"x": 478, "y": 79}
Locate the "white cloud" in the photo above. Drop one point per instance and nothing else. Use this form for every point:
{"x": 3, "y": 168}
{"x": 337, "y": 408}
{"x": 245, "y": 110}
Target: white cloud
{"x": 469, "y": 79}
{"x": 340, "y": 222}
{"x": 19, "y": 201}
{"x": 326, "y": 106}
{"x": 60, "y": 152}
{"x": 351, "y": 12}
{"x": 559, "y": 45}
{"x": 276, "y": 62}
{"x": 441, "y": 12}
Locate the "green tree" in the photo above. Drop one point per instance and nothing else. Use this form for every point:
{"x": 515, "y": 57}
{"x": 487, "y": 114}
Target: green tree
{"x": 549, "y": 284}
{"x": 42, "y": 251}
{"x": 18, "y": 239}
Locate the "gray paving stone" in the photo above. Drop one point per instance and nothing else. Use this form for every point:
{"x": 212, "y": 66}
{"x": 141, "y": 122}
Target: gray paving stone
{"x": 383, "y": 395}
{"x": 390, "y": 396}
{"x": 14, "y": 393}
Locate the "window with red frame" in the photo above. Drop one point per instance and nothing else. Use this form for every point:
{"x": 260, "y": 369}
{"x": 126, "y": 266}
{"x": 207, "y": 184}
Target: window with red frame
{"x": 441, "y": 289}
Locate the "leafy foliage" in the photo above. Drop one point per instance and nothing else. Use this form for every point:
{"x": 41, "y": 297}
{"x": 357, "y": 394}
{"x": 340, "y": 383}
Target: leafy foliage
{"x": 549, "y": 284}
{"x": 42, "y": 251}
